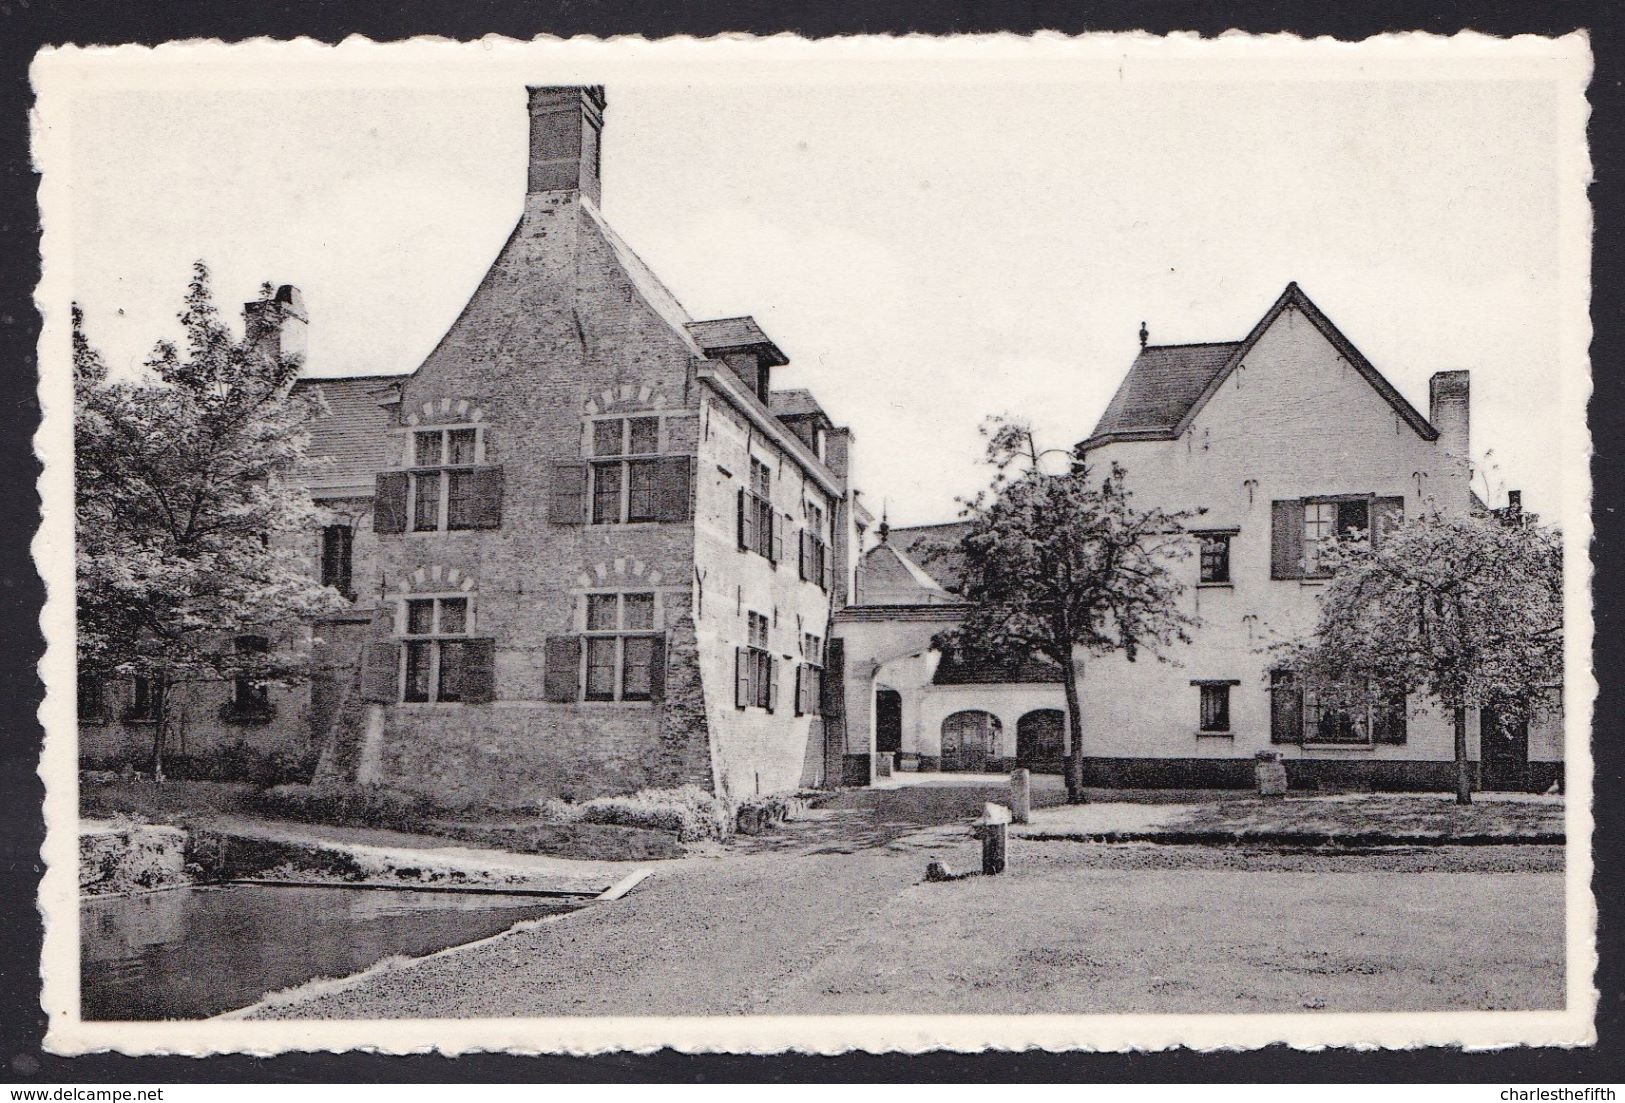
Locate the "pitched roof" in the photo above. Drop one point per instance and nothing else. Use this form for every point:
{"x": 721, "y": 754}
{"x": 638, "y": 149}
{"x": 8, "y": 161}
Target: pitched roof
{"x": 354, "y": 433}
{"x": 1161, "y": 385}
{"x": 727, "y": 334}
{"x": 890, "y": 577}
{"x": 1165, "y": 387}
{"x": 795, "y": 403}
{"x": 918, "y": 541}
{"x": 654, "y": 292}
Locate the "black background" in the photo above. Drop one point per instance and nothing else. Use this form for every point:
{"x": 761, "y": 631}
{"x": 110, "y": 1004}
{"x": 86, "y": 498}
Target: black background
{"x": 26, "y": 25}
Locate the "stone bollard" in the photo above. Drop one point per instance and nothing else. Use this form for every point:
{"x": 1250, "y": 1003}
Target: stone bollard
{"x": 1021, "y": 796}
{"x": 993, "y": 829}
{"x": 1270, "y": 773}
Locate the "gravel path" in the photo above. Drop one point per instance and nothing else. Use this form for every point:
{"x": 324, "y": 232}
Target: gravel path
{"x": 830, "y": 916}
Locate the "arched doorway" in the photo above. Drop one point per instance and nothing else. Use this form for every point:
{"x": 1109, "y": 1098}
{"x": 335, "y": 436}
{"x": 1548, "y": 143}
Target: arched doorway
{"x": 888, "y": 720}
{"x": 969, "y": 739}
{"x": 1041, "y": 740}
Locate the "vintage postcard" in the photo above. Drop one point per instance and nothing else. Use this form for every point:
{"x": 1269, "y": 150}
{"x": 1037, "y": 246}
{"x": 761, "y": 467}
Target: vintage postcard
{"x": 759, "y": 545}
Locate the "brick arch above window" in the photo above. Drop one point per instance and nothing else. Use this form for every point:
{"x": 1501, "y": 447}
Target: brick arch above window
{"x": 445, "y": 411}
{"x": 618, "y": 571}
{"x": 434, "y": 579}
{"x": 628, "y": 396}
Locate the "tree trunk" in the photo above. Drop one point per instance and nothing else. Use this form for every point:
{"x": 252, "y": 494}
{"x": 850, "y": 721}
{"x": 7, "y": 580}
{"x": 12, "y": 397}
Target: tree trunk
{"x": 1464, "y": 773}
{"x": 160, "y": 708}
{"x": 1074, "y": 725}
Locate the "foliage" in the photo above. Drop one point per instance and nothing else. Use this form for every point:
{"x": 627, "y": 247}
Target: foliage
{"x": 1054, "y": 563}
{"x": 1466, "y": 610}
{"x": 689, "y": 811}
{"x": 348, "y": 805}
{"x": 189, "y": 510}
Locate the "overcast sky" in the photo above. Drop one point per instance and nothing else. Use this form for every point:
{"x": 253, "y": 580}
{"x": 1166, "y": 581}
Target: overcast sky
{"x": 928, "y": 245}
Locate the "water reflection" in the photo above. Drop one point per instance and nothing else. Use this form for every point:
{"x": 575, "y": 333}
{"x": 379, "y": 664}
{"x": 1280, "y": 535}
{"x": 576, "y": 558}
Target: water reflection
{"x": 192, "y": 953}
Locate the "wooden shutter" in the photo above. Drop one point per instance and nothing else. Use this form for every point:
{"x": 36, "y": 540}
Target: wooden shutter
{"x": 380, "y": 671}
{"x": 672, "y": 496}
{"x": 479, "y": 671}
{"x": 1286, "y": 538}
{"x": 826, "y": 567}
{"x": 567, "y": 497}
{"x": 389, "y": 502}
{"x": 1286, "y": 708}
{"x": 741, "y": 678}
{"x": 772, "y": 664}
{"x": 487, "y": 505}
{"x": 775, "y": 551}
{"x": 802, "y": 565}
{"x": 801, "y": 696}
{"x": 1385, "y": 514}
{"x": 657, "y": 669}
{"x": 746, "y": 522}
{"x": 563, "y": 675}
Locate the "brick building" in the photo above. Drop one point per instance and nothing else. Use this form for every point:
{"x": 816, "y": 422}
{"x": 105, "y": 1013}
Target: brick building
{"x": 591, "y": 549}
{"x": 1281, "y": 438}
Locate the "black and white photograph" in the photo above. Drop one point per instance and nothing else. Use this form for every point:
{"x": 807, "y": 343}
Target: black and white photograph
{"x": 873, "y": 544}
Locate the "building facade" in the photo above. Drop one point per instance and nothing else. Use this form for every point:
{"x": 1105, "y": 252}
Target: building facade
{"x": 590, "y": 550}
{"x": 1280, "y": 440}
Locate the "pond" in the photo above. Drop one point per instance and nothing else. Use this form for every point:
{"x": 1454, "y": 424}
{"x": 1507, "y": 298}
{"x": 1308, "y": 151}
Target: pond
{"x": 196, "y": 952}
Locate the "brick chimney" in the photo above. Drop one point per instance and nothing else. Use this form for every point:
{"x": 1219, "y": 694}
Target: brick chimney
{"x": 1447, "y": 410}
{"x": 565, "y": 124}
{"x": 278, "y": 326}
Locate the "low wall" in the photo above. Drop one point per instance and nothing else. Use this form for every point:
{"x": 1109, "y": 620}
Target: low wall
{"x": 118, "y": 858}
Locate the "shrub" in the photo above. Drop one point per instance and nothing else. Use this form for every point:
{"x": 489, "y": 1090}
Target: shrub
{"x": 555, "y": 810}
{"x": 237, "y": 761}
{"x": 348, "y": 805}
{"x": 689, "y": 812}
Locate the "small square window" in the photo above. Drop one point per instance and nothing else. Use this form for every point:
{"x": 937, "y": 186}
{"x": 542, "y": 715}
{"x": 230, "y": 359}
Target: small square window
{"x": 453, "y": 616}
{"x": 601, "y": 612}
{"x": 1215, "y": 557}
{"x": 639, "y": 614}
{"x": 643, "y": 436}
{"x": 606, "y": 437}
{"x": 461, "y": 446}
{"x": 420, "y": 617}
{"x": 1215, "y": 708}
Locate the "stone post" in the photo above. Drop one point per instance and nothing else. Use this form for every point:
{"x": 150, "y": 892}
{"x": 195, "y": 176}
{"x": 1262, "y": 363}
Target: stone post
{"x": 1021, "y": 796}
{"x": 1270, "y": 773}
{"x": 994, "y": 830}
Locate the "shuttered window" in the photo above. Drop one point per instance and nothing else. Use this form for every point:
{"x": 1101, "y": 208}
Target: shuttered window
{"x": 440, "y": 661}
{"x": 630, "y": 482}
{"x": 622, "y": 648}
{"x": 1214, "y": 716}
{"x": 761, "y": 530}
{"x": 810, "y": 676}
{"x": 756, "y": 675}
{"x": 448, "y": 488}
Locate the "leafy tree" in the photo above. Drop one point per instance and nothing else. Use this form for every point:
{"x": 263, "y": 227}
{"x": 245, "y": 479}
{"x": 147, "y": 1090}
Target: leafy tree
{"x": 190, "y": 512}
{"x": 1055, "y": 564}
{"x": 1465, "y": 609}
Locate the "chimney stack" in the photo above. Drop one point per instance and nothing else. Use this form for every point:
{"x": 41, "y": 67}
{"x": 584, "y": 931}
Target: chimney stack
{"x": 565, "y": 124}
{"x": 1447, "y": 410}
{"x": 278, "y": 326}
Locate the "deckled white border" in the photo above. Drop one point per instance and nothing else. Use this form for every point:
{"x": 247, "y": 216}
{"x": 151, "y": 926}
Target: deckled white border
{"x": 58, "y": 74}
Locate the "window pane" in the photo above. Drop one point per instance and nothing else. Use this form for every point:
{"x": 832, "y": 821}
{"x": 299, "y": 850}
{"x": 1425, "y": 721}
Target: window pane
{"x": 1352, "y": 515}
{"x": 643, "y": 435}
{"x": 419, "y": 617}
{"x": 606, "y": 437}
{"x": 451, "y": 671}
{"x": 453, "y": 615}
{"x": 639, "y": 611}
{"x": 640, "y": 492}
{"x": 760, "y": 481}
{"x": 426, "y": 502}
{"x": 606, "y": 493}
{"x": 1215, "y": 559}
{"x": 460, "y": 499}
{"x": 636, "y": 659}
{"x": 427, "y": 451}
{"x": 417, "y": 670}
{"x": 601, "y": 612}
{"x": 460, "y": 445}
{"x": 1215, "y": 708}
{"x": 601, "y": 668}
